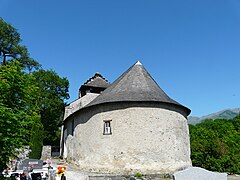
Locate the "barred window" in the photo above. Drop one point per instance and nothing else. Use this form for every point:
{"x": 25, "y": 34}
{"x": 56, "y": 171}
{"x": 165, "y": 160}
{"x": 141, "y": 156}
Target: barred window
{"x": 107, "y": 127}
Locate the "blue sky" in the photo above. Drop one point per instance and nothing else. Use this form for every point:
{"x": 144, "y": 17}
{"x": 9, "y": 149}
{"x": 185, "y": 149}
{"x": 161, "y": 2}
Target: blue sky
{"x": 190, "y": 47}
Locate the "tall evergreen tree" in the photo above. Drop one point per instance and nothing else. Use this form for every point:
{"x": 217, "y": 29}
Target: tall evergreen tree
{"x": 36, "y": 141}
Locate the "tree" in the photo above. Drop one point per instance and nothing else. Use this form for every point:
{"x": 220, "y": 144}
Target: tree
{"x": 54, "y": 90}
{"x": 236, "y": 123}
{"x": 27, "y": 98}
{"x": 36, "y": 141}
{"x": 27, "y": 101}
{"x": 10, "y": 48}
{"x": 215, "y": 145}
{"x": 17, "y": 105}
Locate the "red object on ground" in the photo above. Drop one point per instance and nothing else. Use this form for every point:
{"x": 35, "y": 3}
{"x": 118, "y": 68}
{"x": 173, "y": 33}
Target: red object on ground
{"x": 61, "y": 169}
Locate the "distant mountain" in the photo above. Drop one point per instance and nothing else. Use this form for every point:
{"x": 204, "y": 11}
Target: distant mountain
{"x": 224, "y": 114}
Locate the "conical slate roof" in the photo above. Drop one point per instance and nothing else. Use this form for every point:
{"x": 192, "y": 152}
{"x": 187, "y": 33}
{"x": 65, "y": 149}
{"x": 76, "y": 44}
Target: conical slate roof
{"x": 136, "y": 84}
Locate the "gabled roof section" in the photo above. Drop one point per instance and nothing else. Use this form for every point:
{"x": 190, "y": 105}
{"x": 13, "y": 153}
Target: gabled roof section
{"x": 97, "y": 81}
{"x": 136, "y": 84}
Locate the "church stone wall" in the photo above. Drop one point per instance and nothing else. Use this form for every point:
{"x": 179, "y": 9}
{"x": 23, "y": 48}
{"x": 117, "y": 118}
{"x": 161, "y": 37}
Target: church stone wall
{"x": 79, "y": 103}
{"x": 150, "y": 139}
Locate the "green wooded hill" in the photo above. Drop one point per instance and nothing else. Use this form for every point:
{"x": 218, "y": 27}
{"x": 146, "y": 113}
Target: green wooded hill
{"x": 215, "y": 145}
{"x": 224, "y": 114}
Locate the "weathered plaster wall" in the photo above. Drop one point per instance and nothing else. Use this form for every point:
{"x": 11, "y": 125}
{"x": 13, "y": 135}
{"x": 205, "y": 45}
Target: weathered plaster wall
{"x": 149, "y": 138}
{"x": 71, "y": 109}
{"x": 79, "y": 103}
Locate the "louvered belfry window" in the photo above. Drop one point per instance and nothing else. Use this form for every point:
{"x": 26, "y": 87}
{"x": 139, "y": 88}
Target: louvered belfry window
{"x": 107, "y": 127}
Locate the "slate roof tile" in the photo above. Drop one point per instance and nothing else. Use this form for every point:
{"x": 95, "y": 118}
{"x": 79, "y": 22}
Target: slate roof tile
{"x": 136, "y": 84}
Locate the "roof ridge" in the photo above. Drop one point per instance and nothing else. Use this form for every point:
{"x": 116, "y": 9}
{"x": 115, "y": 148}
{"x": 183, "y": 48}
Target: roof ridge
{"x": 97, "y": 74}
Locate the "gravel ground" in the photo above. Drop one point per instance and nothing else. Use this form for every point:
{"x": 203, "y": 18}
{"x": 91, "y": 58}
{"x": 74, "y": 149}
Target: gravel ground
{"x": 74, "y": 174}
{"x": 234, "y": 177}
{"x": 71, "y": 173}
